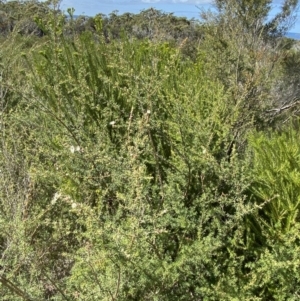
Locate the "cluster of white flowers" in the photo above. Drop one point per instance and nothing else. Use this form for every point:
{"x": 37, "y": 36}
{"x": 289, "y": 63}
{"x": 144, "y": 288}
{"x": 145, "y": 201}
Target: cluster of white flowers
{"x": 66, "y": 198}
{"x": 74, "y": 149}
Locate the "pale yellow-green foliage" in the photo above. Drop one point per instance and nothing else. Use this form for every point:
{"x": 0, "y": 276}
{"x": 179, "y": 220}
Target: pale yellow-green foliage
{"x": 127, "y": 172}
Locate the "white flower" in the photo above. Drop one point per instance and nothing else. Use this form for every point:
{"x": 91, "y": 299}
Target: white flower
{"x": 72, "y": 149}
{"x": 112, "y": 123}
{"x": 148, "y": 112}
{"x": 56, "y": 196}
{"x": 74, "y": 205}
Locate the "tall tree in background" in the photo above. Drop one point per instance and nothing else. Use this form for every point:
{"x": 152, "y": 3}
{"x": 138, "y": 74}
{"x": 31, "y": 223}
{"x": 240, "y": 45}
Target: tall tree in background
{"x": 254, "y": 14}
{"x": 245, "y": 50}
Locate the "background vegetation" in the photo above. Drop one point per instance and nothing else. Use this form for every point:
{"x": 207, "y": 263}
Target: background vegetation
{"x": 149, "y": 157}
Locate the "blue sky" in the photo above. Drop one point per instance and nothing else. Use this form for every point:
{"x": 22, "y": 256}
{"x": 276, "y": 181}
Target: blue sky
{"x": 187, "y": 8}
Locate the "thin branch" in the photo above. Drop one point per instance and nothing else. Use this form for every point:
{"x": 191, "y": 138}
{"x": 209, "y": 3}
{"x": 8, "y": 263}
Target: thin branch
{"x": 13, "y": 288}
{"x": 54, "y": 284}
{"x": 283, "y": 108}
{"x": 118, "y": 284}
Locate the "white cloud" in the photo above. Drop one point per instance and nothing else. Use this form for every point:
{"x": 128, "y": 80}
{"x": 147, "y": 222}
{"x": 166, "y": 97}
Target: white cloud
{"x": 75, "y": 3}
{"x": 165, "y": 1}
{"x": 150, "y": 1}
{"x": 189, "y": 1}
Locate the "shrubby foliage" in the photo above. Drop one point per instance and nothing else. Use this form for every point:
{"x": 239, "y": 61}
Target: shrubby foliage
{"x": 133, "y": 171}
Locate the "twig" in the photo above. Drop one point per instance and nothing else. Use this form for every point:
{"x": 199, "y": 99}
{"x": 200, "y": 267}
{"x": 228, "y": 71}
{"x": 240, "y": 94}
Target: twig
{"x": 13, "y": 288}
{"x": 53, "y": 283}
{"x": 281, "y": 109}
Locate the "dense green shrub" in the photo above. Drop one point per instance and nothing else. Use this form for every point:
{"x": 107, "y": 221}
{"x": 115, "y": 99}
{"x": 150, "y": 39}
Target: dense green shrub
{"x": 123, "y": 176}
{"x": 276, "y": 186}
